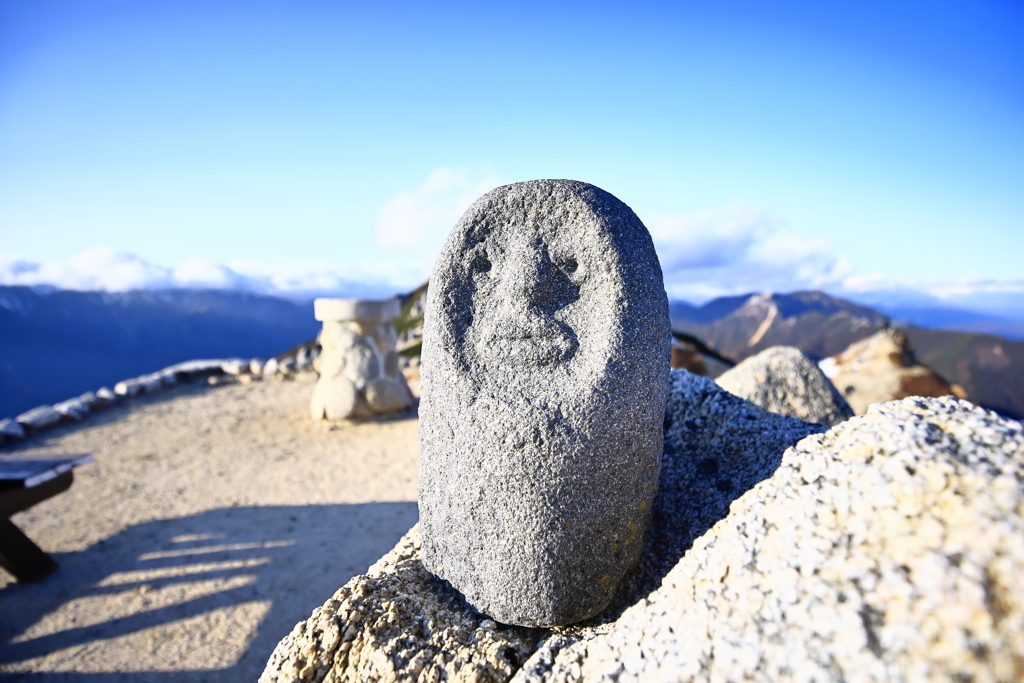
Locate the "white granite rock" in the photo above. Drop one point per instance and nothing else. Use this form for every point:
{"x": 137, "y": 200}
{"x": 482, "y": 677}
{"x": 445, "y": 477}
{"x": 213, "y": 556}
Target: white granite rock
{"x": 94, "y": 402}
{"x": 235, "y": 366}
{"x": 39, "y": 418}
{"x": 785, "y": 381}
{"x": 889, "y": 549}
{"x": 151, "y": 383}
{"x": 105, "y": 395}
{"x": 128, "y": 387}
{"x": 716, "y": 447}
{"x": 73, "y": 409}
{"x": 398, "y": 623}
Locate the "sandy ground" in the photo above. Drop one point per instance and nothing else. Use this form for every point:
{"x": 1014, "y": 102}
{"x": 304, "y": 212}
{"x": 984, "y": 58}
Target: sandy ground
{"x": 212, "y": 520}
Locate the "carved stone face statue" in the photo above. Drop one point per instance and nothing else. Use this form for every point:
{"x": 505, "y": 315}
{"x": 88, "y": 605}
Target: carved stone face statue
{"x": 545, "y": 360}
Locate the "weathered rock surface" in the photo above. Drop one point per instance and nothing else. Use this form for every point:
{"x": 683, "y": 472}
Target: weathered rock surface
{"x": 359, "y": 372}
{"x": 690, "y": 353}
{"x": 399, "y": 623}
{"x": 889, "y": 549}
{"x": 128, "y": 387}
{"x": 883, "y": 368}
{"x": 39, "y": 418}
{"x": 545, "y": 354}
{"x": 235, "y": 366}
{"x": 785, "y": 381}
{"x": 93, "y": 400}
{"x": 11, "y": 430}
{"x": 716, "y": 447}
{"x": 72, "y": 409}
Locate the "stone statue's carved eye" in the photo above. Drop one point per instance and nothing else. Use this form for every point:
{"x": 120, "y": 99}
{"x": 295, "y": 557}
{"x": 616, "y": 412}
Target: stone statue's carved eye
{"x": 481, "y": 264}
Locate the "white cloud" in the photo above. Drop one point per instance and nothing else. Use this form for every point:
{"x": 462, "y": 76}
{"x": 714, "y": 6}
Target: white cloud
{"x": 95, "y": 269}
{"x": 734, "y": 251}
{"x": 712, "y": 253}
{"x": 1000, "y": 297}
{"x": 203, "y": 273}
{"x": 103, "y": 269}
{"x": 421, "y": 219}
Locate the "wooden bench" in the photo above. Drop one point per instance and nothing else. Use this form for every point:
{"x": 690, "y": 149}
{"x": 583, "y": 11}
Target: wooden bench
{"x": 23, "y": 483}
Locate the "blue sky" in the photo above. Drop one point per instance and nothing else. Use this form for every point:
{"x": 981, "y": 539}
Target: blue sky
{"x": 287, "y": 146}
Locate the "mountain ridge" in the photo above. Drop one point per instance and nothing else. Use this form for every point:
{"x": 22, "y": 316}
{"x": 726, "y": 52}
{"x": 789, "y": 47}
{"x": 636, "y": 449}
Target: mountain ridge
{"x": 55, "y": 344}
{"x": 989, "y": 367}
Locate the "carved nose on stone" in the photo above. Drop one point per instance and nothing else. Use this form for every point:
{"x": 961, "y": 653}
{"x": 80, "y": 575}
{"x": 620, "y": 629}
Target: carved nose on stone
{"x": 529, "y": 280}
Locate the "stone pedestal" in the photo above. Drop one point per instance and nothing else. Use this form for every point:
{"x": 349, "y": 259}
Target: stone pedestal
{"x": 359, "y": 370}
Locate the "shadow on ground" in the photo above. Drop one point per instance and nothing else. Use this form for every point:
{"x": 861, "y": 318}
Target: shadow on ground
{"x": 199, "y": 598}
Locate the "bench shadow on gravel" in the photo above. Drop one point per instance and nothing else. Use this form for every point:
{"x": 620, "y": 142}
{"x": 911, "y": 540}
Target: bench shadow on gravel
{"x": 292, "y": 557}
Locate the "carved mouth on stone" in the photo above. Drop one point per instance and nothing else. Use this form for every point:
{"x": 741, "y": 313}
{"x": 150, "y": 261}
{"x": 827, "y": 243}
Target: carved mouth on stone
{"x": 538, "y": 344}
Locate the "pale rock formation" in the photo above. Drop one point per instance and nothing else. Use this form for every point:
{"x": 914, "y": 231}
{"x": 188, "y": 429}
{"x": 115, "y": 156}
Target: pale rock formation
{"x": 889, "y": 549}
{"x": 39, "y": 418}
{"x": 73, "y": 409}
{"x": 235, "y": 367}
{"x": 785, "y": 381}
{"x": 716, "y": 447}
{"x": 399, "y": 623}
{"x": 881, "y": 368}
{"x": 359, "y": 372}
{"x": 93, "y": 400}
{"x": 144, "y": 384}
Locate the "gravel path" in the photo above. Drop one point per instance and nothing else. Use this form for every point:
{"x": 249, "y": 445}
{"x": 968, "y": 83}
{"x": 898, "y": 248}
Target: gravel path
{"x": 212, "y": 520}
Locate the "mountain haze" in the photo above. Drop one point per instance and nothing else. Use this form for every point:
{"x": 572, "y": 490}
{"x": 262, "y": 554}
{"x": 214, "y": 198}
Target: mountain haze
{"x": 55, "y": 344}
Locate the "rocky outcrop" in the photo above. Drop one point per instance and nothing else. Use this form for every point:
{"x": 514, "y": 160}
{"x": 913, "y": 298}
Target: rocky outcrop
{"x": 716, "y": 447}
{"x": 399, "y": 623}
{"x": 883, "y": 368}
{"x": 740, "y": 326}
{"x": 888, "y": 548}
{"x": 785, "y": 381}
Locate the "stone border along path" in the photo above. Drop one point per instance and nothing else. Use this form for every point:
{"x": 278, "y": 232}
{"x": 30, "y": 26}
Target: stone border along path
{"x": 215, "y": 371}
